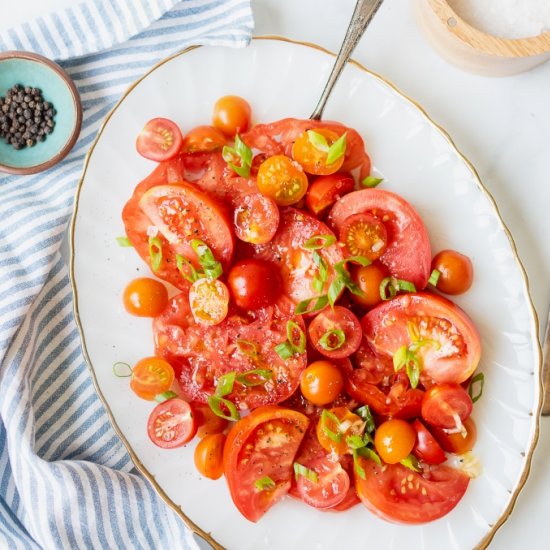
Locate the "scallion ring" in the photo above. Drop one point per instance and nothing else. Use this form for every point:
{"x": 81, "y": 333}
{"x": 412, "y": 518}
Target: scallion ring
{"x": 319, "y": 241}
{"x": 255, "y": 377}
{"x": 216, "y": 403}
{"x": 155, "y": 252}
{"x": 225, "y": 384}
{"x": 332, "y": 339}
{"x": 122, "y": 370}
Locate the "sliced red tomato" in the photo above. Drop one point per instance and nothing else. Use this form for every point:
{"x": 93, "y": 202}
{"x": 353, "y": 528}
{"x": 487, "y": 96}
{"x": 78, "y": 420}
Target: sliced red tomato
{"x": 408, "y": 253}
{"x": 171, "y": 424}
{"x": 398, "y": 494}
{"x": 258, "y": 458}
{"x": 324, "y": 191}
{"x": 426, "y": 447}
{"x": 335, "y": 332}
{"x": 364, "y": 235}
{"x": 446, "y": 406}
{"x": 457, "y": 443}
{"x": 371, "y": 368}
{"x": 255, "y": 218}
{"x": 159, "y": 140}
{"x": 447, "y": 341}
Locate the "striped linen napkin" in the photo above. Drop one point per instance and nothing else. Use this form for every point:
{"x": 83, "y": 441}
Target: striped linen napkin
{"x": 66, "y": 481}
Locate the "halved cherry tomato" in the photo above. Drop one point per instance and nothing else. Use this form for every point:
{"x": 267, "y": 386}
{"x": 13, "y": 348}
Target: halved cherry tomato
{"x": 364, "y": 235}
{"x": 145, "y": 297}
{"x": 394, "y": 440}
{"x": 258, "y": 458}
{"x": 330, "y": 487}
{"x": 321, "y": 382}
{"x": 408, "y": 254}
{"x": 209, "y": 301}
{"x": 208, "y": 422}
{"x": 333, "y": 429}
{"x": 398, "y": 494}
{"x": 447, "y": 341}
{"x": 426, "y": 447}
{"x": 456, "y": 272}
{"x": 151, "y": 376}
{"x": 282, "y": 179}
{"x": 171, "y": 424}
{"x": 255, "y": 218}
{"x": 209, "y": 455}
{"x": 313, "y": 156}
{"x": 254, "y": 283}
{"x": 203, "y": 139}
{"x": 159, "y": 140}
{"x": 335, "y": 333}
{"x": 457, "y": 443}
{"x": 368, "y": 278}
{"x": 324, "y": 191}
{"x": 446, "y": 406}
{"x": 231, "y": 115}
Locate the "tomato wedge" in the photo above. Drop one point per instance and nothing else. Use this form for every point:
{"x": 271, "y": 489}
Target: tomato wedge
{"x": 426, "y": 447}
{"x": 159, "y": 140}
{"x": 324, "y": 191}
{"x": 171, "y": 424}
{"x": 258, "y": 458}
{"x": 446, "y": 406}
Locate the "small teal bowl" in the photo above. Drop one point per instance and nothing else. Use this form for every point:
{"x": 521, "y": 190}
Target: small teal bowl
{"x": 36, "y": 71}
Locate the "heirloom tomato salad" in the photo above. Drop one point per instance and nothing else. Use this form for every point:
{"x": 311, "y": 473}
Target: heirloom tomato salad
{"x": 301, "y": 337}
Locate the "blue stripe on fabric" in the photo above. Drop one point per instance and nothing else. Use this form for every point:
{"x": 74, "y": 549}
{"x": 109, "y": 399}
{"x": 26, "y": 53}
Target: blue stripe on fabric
{"x": 144, "y": 520}
{"x": 15, "y": 39}
{"x": 128, "y": 518}
{"x": 48, "y": 37}
{"x": 102, "y": 430}
{"x": 13, "y": 529}
{"x": 30, "y": 37}
{"x": 118, "y": 539}
{"x": 93, "y": 26}
{"x": 61, "y": 30}
{"x": 28, "y": 270}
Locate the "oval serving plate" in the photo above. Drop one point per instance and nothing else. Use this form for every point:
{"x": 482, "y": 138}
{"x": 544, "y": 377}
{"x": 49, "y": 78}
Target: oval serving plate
{"x": 281, "y": 78}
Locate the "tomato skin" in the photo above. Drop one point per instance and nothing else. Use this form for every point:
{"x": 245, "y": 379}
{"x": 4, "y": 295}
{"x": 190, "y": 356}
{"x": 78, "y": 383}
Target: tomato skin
{"x": 208, "y": 422}
{"x": 209, "y": 456}
{"x": 145, "y": 297}
{"x": 394, "y": 440}
{"x": 255, "y": 448}
{"x": 324, "y": 191}
{"x": 457, "y": 443}
{"x": 203, "y": 139}
{"x": 231, "y": 115}
{"x": 255, "y": 218}
{"x": 282, "y": 179}
{"x": 160, "y": 140}
{"x": 313, "y": 160}
{"x": 151, "y": 376}
{"x": 443, "y": 403}
{"x": 426, "y": 447}
{"x": 368, "y": 278}
{"x": 364, "y": 235}
{"x": 321, "y": 382}
{"x": 209, "y": 301}
{"x": 254, "y": 283}
{"x": 171, "y": 424}
{"x": 456, "y": 272}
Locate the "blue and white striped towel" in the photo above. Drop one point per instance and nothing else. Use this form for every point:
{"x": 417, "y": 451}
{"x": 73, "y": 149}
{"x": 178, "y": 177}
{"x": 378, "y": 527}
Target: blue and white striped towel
{"x": 66, "y": 481}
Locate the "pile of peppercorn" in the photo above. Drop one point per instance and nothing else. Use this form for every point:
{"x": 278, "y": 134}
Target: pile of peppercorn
{"x": 25, "y": 117}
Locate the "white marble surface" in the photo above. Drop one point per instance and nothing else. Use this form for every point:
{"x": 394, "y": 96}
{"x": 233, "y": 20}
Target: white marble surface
{"x": 502, "y": 125}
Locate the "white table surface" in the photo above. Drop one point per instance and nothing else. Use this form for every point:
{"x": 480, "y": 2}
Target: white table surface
{"x": 501, "y": 124}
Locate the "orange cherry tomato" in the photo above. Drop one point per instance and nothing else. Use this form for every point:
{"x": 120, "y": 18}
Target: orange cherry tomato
{"x": 145, "y": 297}
{"x": 209, "y": 301}
{"x": 335, "y": 426}
{"x": 394, "y": 440}
{"x": 364, "y": 235}
{"x": 151, "y": 376}
{"x": 457, "y": 443}
{"x": 282, "y": 179}
{"x": 321, "y": 382}
{"x": 311, "y": 151}
{"x": 209, "y": 456}
{"x": 208, "y": 421}
{"x": 203, "y": 139}
{"x": 368, "y": 279}
{"x": 231, "y": 115}
{"x": 456, "y": 272}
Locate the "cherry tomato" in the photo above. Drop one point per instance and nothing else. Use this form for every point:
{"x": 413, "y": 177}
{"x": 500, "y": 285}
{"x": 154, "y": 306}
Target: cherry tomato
{"x": 330, "y": 487}
{"x": 397, "y": 494}
{"x": 426, "y": 447}
{"x": 446, "y": 406}
{"x": 171, "y": 424}
{"x": 145, "y": 297}
{"x": 203, "y": 139}
{"x": 457, "y": 443}
{"x": 321, "y": 382}
{"x": 456, "y": 272}
{"x": 335, "y": 333}
{"x": 282, "y": 179}
{"x": 254, "y": 283}
{"x": 209, "y": 301}
{"x": 209, "y": 456}
{"x": 262, "y": 446}
{"x": 231, "y": 115}
{"x": 151, "y": 376}
{"x": 159, "y": 140}
{"x": 364, "y": 235}
{"x": 255, "y": 218}
{"x": 313, "y": 156}
{"x": 324, "y": 191}
{"x": 368, "y": 278}
{"x": 335, "y": 427}
{"x": 208, "y": 422}
{"x": 394, "y": 440}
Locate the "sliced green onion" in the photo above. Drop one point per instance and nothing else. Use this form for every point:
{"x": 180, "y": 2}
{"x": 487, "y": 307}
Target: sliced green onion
{"x": 155, "y": 252}
{"x": 337, "y": 149}
{"x": 124, "y": 242}
{"x": 164, "y": 396}
{"x": 284, "y": 350}
{"x": 193, "y": 274}
{"x": 413, "y": 372}
{"x": 387, "y": 290}
{"x": 358, "y": 468}
{"x": 211, "y": 267}
{"x": 434, "y": 277}
{"x": 361, "y": 260}
{"x": 365, "y": 413}
{"x": 242, "y": 152}
{"x": 371, "y": 181}
{"x": 246, "y": 347}
{"x": 322, "y": 265}
{"x": 259, "y": 377}
{"x": 400, "y": 357}
{"x": 319, "y": 302}
{"x": 355, "y": 442}
{"x": 406, "y": 357}
{"x": 317, "y": 284}
{"x": 300, "y": 470}
{"x": 335, "y": 289}
{"x": 369, "y": 453}
{"x": 122, "y": 370}
{"x": 225, "y": 384}
{"x": 326, "y": 415}
{"x": 291, "y": 328}
{"x": 479, "y": 378}
{"x": 327, "y": 340}
{"x": 406, "y": 286}
{"x": 319, "y": 241}
{"x": 411, "y": 462}
{"x": 318, "y": 141}
{"x": 264, "y": 483}
{"x": 216, "y": 403}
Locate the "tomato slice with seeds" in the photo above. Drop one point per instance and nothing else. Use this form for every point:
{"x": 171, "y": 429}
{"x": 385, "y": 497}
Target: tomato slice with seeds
{"x": 446, "y": 406}
{"x": 151, "y": 376}
{"x": 255, "y": 218}
{"x": 282, "y": 179}
{"x": 209, "y": 301}
{"x": 324, "y": 191}
{"x": 262, "y": 446}
{"x": 364, "y": 235}
{"x": 312, "y": 156}
{"x": 171, "y": 424}
{"x": 159, "y": 140}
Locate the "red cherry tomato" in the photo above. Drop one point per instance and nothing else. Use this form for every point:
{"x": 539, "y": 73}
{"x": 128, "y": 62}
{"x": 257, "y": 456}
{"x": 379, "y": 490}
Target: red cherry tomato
{"x": 254, "y": 283}
{"x": 335, "y": 332}
{"x": 321, "y": 382}
{"x": 282, "y": 179}
{"x": 255, "y": 218}
{"x": 231, "y": 115}
{"x": 203, "y": 139}
{"x": 159, "y": 140}
{"x": 457, "y": 443}
{"x": 324, "y": 191}
{"x": 446, "y": 406}
{"x": 426, "y": 447}
{"x": 364, "y": 235}
{"x": 171, "y": 424}
{"x": 456, "y": 272}
{"x": 311, "y": 150}
{"x": 145, "y": 297}
{"x": 368, "y": 278}
{"x": 394, "y": 440}
{"x": 209, "y": 456}
{"x": 151, "y": 376}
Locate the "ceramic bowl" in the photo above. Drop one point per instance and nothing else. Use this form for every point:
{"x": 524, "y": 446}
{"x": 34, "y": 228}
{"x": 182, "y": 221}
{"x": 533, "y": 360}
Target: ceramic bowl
{"x": 30, "y": 69}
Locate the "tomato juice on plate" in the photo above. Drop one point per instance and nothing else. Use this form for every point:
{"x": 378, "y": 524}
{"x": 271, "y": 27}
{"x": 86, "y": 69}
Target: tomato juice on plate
{"x": 303, "y": 340}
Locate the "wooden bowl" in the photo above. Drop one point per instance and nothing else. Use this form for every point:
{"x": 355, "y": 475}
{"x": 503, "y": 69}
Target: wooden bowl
{"x": 475, "y": 50}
